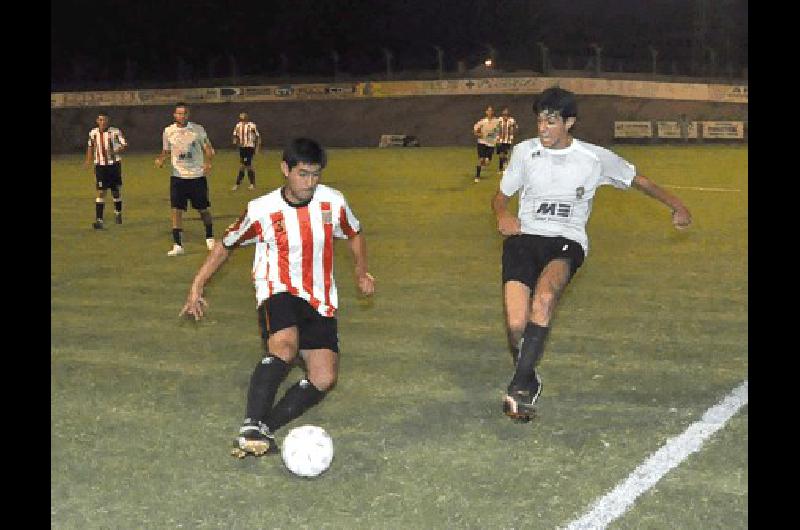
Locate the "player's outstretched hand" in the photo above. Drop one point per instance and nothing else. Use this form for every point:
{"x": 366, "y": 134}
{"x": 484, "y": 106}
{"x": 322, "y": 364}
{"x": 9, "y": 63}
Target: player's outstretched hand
{"x": 681, "y": 218}
{"x": 194, "y": 307}
{"x": 366, "y": 284}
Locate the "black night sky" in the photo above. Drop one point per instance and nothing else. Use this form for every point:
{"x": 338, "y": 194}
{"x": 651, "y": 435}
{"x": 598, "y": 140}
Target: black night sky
{"x": 114, "y": 43}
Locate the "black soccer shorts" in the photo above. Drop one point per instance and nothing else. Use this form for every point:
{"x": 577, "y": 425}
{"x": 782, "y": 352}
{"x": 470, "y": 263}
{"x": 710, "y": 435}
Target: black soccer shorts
{"x": 485, "y": 151}
{"x": 246, "y": 155}
{"x": 503, "y": 149}
{"x": 183, "y": 190}
{"x": 284, "y": 310}
{"x": 525, "y": 256}
{"x": 108, "y": 177}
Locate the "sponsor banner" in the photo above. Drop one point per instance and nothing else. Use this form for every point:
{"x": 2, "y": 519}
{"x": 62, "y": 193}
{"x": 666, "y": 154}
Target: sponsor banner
{"x": 723, "y": 129}
{"x": 172, "y": 95}
{"x": 445, "y": 87}
{"x": 398, "y": 140}
{"x": 672, "y": 129}
{"x": 633, "y": 129}
{"x": 94, "y": 99}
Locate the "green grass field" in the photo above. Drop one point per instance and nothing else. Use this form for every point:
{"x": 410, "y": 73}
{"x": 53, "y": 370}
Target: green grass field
{"x": 651, "y": 332}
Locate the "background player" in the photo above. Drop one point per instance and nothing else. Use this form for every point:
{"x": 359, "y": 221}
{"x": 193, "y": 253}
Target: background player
{"x": 245, "y": 135}
{"x": 557, "y": 177}
{"x": 105, "y": 145}
{"x": 187, "y": 143}
{"x": 293, "y": 228}
{"x": 485, "y": 130}
{"x": 505, "y": 138}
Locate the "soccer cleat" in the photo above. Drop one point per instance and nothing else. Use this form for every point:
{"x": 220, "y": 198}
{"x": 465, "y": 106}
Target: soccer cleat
{"x": 477, "y": 179}
{"x": 235, "y": 187}
{"x": 118, "y": 218}
{"x": 98, "y": 225}
{"x": 177, "y": 250}
{"x": 254, "y": 439}
{"x": 251, "y": 187}
{"x": 210, "y": 243}
{"x": 518, "y": 404}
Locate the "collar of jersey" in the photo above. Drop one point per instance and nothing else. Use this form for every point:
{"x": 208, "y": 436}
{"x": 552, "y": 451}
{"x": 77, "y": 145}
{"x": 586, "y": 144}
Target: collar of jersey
{"x": 294, "y": 204}
{"x": 566, "y": 150}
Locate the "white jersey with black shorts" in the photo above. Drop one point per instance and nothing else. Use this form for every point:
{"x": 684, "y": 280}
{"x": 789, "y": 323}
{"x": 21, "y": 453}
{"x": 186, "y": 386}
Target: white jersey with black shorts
{"x": 188, "y": 181}
{"x": 557, "y": 186}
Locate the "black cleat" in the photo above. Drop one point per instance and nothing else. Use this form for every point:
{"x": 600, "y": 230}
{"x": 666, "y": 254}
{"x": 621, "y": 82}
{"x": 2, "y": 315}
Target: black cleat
{"x": 518, "y": 404}
{"x": 98, "y": 225}
{"x": 254, "y": 439}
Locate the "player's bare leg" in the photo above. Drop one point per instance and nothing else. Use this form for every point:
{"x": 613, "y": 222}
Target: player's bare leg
{"x": 525, "y": 387}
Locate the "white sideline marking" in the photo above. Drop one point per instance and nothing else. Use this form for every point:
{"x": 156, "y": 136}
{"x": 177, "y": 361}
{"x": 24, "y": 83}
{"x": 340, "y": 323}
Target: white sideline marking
{"x": 615, "y": 503}
{"x": 696, "y": 188}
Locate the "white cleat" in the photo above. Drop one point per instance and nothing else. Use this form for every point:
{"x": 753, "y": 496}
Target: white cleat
{"x": 235, "y": 187}
{"x": 177, "y": 250}
{"x": 210, "y": 243}
{"x": 251, "y": 187}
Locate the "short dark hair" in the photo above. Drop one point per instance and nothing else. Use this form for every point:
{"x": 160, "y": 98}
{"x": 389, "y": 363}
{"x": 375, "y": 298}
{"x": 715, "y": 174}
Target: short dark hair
{"x": 304, "y": 150}
{"x": 557, "y": 99}
{"x": 181, "y": 104}
{"x": 102, "y": 113}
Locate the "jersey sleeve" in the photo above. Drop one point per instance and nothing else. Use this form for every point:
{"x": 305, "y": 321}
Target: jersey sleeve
{"x": 165, "y": 141}
{"x": 512, "y": 176}
{"x": 91, "y": 139}
{"x": 247, "y": 230}
{"x": 346, "y": 225}
{"x": 615, "y": 170}
{"x": 120, "y": 138}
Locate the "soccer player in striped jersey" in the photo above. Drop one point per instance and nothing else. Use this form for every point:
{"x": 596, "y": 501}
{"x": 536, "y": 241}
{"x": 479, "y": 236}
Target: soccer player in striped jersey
{"x": 105, "y": 145}
{"x": 485, "y": 130}
{"x": 505, "y": 139}
{"x": 293, "y": 230}
{"x": 245, "y": 135}
{"x": 191, "y": 153}
{"x": 556, "y": 176}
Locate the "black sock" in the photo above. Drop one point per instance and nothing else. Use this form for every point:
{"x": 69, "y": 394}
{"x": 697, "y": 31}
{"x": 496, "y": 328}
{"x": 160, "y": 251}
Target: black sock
{"x": 209, "y": 230}
{"x": 502, "y": 163}
{"x": 298, "y": 399}
{"x": 251, "y": 175}
{"x": 118, "y": 206}
{"x": 267, "y": 377}
{"x": 239, "y": 177}
{"x": 176, "y": 235}
{"x": 98, "y": 209}
{"x": 531, "y": 350}
{"x": 477, "y": 171}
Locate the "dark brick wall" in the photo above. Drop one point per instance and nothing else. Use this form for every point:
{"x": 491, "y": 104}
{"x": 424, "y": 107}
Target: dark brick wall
{"x": 435, "y": 120}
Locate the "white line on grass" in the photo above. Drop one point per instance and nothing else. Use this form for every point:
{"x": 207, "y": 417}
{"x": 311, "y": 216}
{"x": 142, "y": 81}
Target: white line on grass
{"x": 696, "y": 188}
{"x": 615, "y": 503}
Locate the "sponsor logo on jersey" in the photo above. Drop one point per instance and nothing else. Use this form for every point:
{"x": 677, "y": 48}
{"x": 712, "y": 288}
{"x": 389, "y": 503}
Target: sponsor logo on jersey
{"x": 579, "y": 191}
{"x": 327, "y": 216}
{"x": 553, "y": 209}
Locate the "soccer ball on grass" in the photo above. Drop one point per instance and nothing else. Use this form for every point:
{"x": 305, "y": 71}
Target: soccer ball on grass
{"x": 307, "y": 451}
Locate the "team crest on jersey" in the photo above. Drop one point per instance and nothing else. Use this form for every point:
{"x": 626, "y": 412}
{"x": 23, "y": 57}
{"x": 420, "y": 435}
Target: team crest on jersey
{"x": 579, "y": 191}
{"x": 327, "y": 216}
{"x": 278, "y": 225}
{"x": 535, "y": 154}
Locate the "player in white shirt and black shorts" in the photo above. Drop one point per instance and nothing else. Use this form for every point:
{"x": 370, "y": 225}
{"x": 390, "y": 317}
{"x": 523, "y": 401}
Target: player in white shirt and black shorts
{"x": 293, "y": 229}
{"x": 556, "y": 177}
{"x": 485, "y": 130}
{"x": 191, "y": 153}
{"x": 105, "y": 145}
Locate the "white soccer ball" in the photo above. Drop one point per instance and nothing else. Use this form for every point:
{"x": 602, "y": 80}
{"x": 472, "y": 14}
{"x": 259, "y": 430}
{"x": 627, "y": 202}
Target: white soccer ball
{"x": 307, "y": 451}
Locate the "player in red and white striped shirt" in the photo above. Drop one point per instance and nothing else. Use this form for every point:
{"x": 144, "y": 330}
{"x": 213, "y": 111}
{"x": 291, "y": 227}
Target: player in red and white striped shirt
{"x": 505, "y": 139}
{"x": 105, "y": 145}
{"x": 245, "y": 135}
{"x": 293, "y": 229}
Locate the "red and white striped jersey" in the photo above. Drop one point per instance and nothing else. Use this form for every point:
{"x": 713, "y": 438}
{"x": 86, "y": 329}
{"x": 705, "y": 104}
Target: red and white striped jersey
{"x": 507, "y": 128}
{"x": 105, "y": 144}
{"x": 245, "y": 133}
{"x": 294, "y": 244}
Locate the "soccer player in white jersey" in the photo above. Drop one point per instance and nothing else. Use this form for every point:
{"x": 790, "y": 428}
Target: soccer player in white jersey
{"x": 485, "y": 130}
{"x": 556, "y": 176}
{"x": 293, "y": 230}
{"x": 505, "y": 138}
{"x": 245, "y": 135}
{"x": 187, "y": 143}
{"x": 105, "y": 145}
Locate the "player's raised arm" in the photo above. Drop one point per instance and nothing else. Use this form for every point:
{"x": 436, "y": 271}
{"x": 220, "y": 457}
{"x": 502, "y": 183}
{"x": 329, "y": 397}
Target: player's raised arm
{"x": 681, "y": 217}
